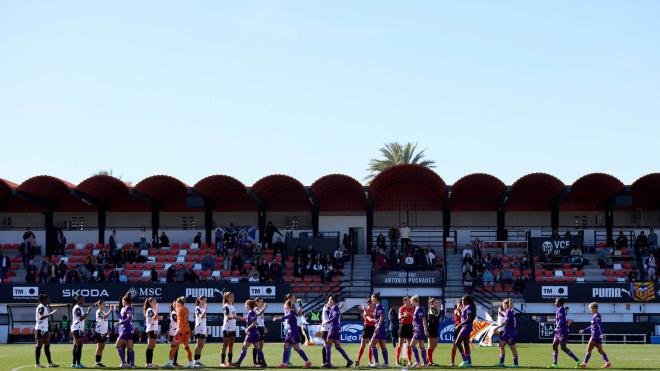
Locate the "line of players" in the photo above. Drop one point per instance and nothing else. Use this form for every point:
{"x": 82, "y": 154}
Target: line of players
{"x": 417, "y": 326}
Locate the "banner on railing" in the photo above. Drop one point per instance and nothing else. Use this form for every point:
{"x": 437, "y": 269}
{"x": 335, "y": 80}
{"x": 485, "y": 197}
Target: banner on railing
{"x": 351, "y": 332}
{"x": 603, "y": 292}
{"x": 64, "y": 293}
{"x": 554, "y": 246}
{"x": 404, "y": 278}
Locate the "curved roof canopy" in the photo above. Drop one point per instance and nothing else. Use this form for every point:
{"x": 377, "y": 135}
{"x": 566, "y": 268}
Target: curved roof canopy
{"x": 226, "y": 193}
{"x": 52, "y": 192}
{"x": 111, "y": 191}
{"x": 282, "y": 193}
{"x": 407, "y": 187}
{"x": 534, "y": 192}
{"x": 591, "y": 192}
{"x": 646, "y": 192}
{"x": 338, "y": 192}
{"x": 169, "y": 192}
{"x": 477, "y": 192}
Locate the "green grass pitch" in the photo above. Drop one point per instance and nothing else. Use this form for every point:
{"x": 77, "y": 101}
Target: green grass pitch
{"x": 532, "y": 356}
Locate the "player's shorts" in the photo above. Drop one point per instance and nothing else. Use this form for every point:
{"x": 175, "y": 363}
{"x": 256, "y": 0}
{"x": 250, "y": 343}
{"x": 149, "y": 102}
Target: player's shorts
{"x": 252, "y": 337}
{"x": 262, "y": 333}
{"x": 42, "y": 335}
{"x": 99, "y": 338}
{"x": 368, "y": 332}
{"x": 292, "y": 337}
{"x": 380, "y": 334}
{"x": 434, "y": 332}
{"x": 456, "y": 330}
{"x": 464, "y": 332}
{"x": 200, "y": 336}
{"x": 152, "y": 335}
{"x": 596, "y": 339}
{"x": 419, "y": 335}
{"x": 406, "y": 331}
{"x": 509, "y": 338}
{"x": 229, "y": 334}
{"x": 334, "y": 333}
{"x": 77, "y": 334}
{"x": 562, "y": 337}
{"x": 301, "y": 335}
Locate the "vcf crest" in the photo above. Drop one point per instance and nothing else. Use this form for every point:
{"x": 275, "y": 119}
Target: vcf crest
{"x": 643, "y": 291}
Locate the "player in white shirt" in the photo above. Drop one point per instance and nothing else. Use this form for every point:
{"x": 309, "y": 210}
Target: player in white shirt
{"x": 261, "y": 327}
{"x": 78, "y": 316}
{"x": 101, "y": 330}
{"x": 228, "y": 328}
{"x": 150, "y": 309}
{"x": 174, "y": 328}
{"x": 41, "y": 334}
{"x": 200, "y": 331}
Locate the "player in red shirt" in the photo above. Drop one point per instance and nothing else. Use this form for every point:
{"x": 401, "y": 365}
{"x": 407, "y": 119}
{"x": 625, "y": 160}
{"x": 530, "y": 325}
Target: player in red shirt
{"x": 405, "y": 328}
{"x": 457, "y": 321}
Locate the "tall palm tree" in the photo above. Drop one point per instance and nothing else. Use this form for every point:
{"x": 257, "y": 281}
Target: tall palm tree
{"x": 395, "y": 153}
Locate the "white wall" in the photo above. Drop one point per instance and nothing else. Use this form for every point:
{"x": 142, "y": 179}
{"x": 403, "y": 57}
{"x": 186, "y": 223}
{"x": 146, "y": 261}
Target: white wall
{"x": 474, "y": 219}
{"x": 24, "y": 220}
{"x": 17, "y": 236}
{"x": 414, "y": 219}
{"x": 527, "y": 219}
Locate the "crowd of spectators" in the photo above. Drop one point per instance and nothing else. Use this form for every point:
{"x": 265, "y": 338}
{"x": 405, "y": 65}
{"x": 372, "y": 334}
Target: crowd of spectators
{"x": 310, "y": 263}
{"x": 401, "y": 253}
{"x": 480, "y": 268}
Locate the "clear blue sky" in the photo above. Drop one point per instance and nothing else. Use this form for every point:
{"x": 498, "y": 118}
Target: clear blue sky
{"x": 306, "y": 88}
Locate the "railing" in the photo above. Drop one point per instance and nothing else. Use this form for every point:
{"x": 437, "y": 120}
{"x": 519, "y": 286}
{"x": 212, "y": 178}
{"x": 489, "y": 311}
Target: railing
{"x": 600, "y": 236}
{"x": 321, "y": 299}
{"x": 610, "y": 338}
{"x": 420, "y": 236}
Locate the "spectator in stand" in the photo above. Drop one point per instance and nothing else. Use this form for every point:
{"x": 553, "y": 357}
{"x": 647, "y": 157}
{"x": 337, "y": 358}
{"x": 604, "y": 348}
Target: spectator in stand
{"x": 28, "y": 247}
{"x": 409, "y": 262}
{"x": 275, "y": 271}
{"x": 477, "y": 248}
{"x": 198, "y": 239}
{"x": 143, "y": 237}
{"x": 652, "y": 240}
{"x": 278, "y": 246}
{"x": 632, "y": 275}
{"x": 217, "y": 236}
{"x": 488, "y": 278}
{"x": 102, "y": 258}
{"x": 191, "y": 276}
{"x": 208, "y": 261}
{"x": 326, "y": 276}
{"x": 467, "y": 270}
{"x": 506, "y": 276}
{"x": 5, "y": 264}
{"x": 57, "y": 273}
{"x": 31, "y": 272}
{"x": 555, "y": 234}
{"x": 61, "y": 242}
{"x": 394, "y": 236}
{"x": 122, "y": 276}
{"x": 237, "y": 261}
{"x": 640, "y": 251}
{"x": 568, "y": 235}
{"x": 317, "y": 268}
{"x": 380, "y": 263}
{"x": 269, "y": 233}
{"x": 651, "y": 272}
{"x": 430, "y": 258}
{"x": 576, "y": 255}
{"x": 621, "y": 241}
{"x": 113, "y": 243}
{"x": 180, "y": 273}
{"x": 164, "y": 241}
{"x": 43, "y": 270}
{"x": 154, "y": 274}
{"x": 405, "y": 233}
{"x": 263, "y": 268}
{"x": 380, "y": 241}
{"x": 347, "y": 243}
{"x": 518, "y": 286}
{"x": 170, "y": 274}
{"x": 253, "y": 274}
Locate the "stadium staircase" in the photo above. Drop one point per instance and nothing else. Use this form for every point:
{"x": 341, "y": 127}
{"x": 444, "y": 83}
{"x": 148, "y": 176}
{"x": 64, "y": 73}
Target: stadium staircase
{"x": 454, "y": 286}
{"x": 360, "y": 276}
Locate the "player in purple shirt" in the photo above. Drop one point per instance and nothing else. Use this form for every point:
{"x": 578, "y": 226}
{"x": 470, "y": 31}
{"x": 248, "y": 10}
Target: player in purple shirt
{"x": 596, "y": 339}
{"x": 292, "y": 338}
{"x": 561, "y": 334}
{"x": 508, "y": 333}
{"x": 125, "y": 338}
{"x": 380, "y": 333}
{"x": 333, "y": 322}
{"x": 462, "y": 341}
{"x": 251, "y": 335}
{"x": 420, "y": 332}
